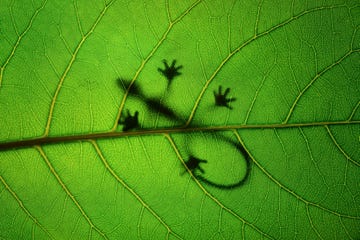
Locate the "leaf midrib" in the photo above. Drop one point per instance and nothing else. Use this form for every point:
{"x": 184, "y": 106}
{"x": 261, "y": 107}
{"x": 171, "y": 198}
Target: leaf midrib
{"x": 102, "y": 135}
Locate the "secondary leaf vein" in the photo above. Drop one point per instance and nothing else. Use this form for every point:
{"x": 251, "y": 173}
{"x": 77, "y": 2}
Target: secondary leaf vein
{"x": 22, "y": 206}
{"x": 144, "y": 61}
{"x": 273, "y": 179}
{"x": 244, "y": 44}
{"x": 20, "y": 37}
{"x": 208, "y": 194}
{"x": 72, "y": 60}
{"x": 127, "y": 187}
{"x": 68, "y": 193}
{"x": 317, "y": 76}
{"x": 340, "y": 148}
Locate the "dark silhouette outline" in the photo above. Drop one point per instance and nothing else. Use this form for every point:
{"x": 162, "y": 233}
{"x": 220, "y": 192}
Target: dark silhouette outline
{"x": 221, "y": 99}
{"x": 124, "y": 85}
{"x": 153, "y": 104}
{"x": 130, "y": 122}
{"x": 194, "y": 163}
{"x": 170, "y": 72}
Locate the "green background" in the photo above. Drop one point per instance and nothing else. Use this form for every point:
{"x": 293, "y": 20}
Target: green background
{"x": 293, "y": 67}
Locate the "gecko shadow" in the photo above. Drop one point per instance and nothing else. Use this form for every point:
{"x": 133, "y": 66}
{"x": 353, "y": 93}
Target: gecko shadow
{"x": 170, "y": 72}
{"x": 193, "y": 164}
{"x": 154, "y": 105}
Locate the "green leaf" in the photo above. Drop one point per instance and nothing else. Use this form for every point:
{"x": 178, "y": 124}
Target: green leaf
{"x": 68, "y": 171}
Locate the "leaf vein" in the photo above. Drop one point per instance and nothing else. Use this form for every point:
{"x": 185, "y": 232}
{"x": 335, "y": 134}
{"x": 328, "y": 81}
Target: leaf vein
{"x": 72, "y": 60}
{"x": 20, "y": 37}
{"x": 71, "y": 138}
{"x": 345, "y": 229}
{"x": 22, "y": 206}
{"x": 257, "y": 92}
{"x": 340, "y": 148}
{"x": 244, "y": 44}
{"x": 67, "y": 191}
{"x": 317, "y": 76}
{"x": 282, "y": 186}
{"x": 311, "y": 222}
{"x": 354, "y": 111}
{"x": 312, "y": 157}
{"x": 144, "y": 61}
{"x": 128, "y": 188}
{"x": 208, "y": 194}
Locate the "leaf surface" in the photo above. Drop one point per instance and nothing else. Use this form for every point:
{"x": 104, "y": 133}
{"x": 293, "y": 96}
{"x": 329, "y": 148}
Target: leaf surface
{"x": 68, "y": 171}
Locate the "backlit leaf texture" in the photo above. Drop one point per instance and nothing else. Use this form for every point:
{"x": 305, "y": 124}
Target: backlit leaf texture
{"x": 68, "y": 70}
